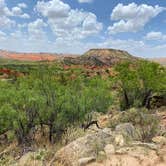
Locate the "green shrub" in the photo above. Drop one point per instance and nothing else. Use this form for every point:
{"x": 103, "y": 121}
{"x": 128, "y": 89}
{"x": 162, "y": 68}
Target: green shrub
{"x": 138, "y": 82}
{"x": 48, "y": 97}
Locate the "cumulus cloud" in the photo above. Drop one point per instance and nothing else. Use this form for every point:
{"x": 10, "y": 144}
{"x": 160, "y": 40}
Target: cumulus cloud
{"x": 155, "y": 36}
{"x": 85, "y": 1}
{"x": 17, "y": 12}
{"x": 132, "y": 17}
{"x": 25, "y": 16}
{"x": 2, "y": 35}
{"x": 53, "y": 9}
{"x": 67, "y": 23}
{"x": 35, "y": 29}
{"x": 22, "y": 5}
{"x": 19, "y": 41}
{"x": 5, "y": 21}
{"x": 6, "y": 14}
{"x": 71, "y": 28}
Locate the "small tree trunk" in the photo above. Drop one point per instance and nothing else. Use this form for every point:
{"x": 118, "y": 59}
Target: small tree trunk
{"x": 146, "y": 100}
{"x": 50, "y": 132}
{"x": 42, "y": 129}
{"x": 127, "y": 104}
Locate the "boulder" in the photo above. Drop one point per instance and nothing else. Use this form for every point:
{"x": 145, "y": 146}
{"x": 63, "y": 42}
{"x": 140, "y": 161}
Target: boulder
{"x": 84, "y": 147}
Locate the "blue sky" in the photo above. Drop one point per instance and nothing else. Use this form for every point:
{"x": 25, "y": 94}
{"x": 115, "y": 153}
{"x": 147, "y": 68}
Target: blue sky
{"x": 74, "y": 26}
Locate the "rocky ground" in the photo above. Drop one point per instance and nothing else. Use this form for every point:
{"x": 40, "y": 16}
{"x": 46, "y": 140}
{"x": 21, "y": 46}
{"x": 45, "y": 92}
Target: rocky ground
{"x": 118, "y": 146}
{"x": 113, "y": 148}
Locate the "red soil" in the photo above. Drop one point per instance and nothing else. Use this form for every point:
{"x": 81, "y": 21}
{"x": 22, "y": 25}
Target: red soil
{"x": 28, "y": 56}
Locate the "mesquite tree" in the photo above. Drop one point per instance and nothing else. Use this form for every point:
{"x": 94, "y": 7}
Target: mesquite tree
{"x": 138, "y": 82}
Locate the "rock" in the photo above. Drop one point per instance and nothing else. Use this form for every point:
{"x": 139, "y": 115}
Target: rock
{"x": 147, "y": 145}
{"x": 127, "y": 129}
{"x": 159, "y": 140}
{"x": 135, "y": 155}
{"x": 119, "y": 140}
{"x": 89, "y": 145}
{"x": 109, "y": 149}
{"x": 85, "y": 161}
{"x": 107, "y": 131}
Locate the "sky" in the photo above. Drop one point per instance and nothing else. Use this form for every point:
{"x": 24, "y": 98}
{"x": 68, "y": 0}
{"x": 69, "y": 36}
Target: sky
{"x": 74, "y": 26}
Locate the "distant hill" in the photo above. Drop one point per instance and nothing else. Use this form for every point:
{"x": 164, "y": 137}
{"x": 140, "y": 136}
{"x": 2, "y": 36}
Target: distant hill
{"x": 96, "y": 57}
{"x": 27, "y": 56}
{"x": 100, "y": 57}
{"x": 161, "y": 61}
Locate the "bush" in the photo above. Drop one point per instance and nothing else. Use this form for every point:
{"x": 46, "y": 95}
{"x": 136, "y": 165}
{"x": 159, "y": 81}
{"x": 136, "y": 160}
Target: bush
{"x": 48, "y": 97}
{"x": 71, "y": 134}
{"x": 138, "y": 82}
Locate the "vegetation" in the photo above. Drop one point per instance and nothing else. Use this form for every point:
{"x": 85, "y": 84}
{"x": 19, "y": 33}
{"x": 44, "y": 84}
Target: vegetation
{"x": 138, "y": 83}
{"x": 145, "y": 122}
{"x": 49, "y": 96}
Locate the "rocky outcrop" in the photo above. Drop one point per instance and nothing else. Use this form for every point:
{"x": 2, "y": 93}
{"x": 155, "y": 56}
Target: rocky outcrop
{"x": 118, "y": 148}
{"x": 85, "y": 147}
{"x": 91, "y": 144}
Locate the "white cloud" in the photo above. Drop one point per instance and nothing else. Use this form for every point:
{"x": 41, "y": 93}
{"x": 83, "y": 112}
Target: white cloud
{"x": 2, "y": 35}
{"x": 71, "y": 26}
{"x": 53, "y": 9}
{"x": 19, "y": 41}
{"x": 17, "y": 12}
{"x": 4, "y": 11}
{"x": 68, "y": 23}
{"x": 22, "y": 5}
{"x": 35, "y": 29}
{"x": 25, "y": 16}
{"x": 85, "y": 1}
{"x": 5, "y": 21}
{"x": 24, "y": 25}
{"x": 132, "y": 17}
{"x": 155, "y": 36}
{"x": 6, "y": 15}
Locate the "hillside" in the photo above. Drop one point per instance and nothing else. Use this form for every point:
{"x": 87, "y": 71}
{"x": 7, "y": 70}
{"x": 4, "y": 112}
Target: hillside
{"x": 93, "y": 57}
{"x": 100, "y": 57}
